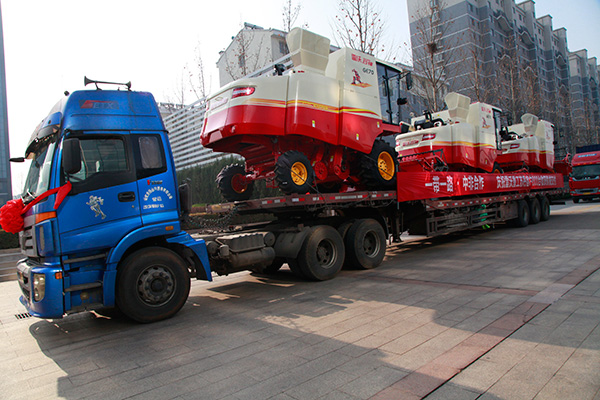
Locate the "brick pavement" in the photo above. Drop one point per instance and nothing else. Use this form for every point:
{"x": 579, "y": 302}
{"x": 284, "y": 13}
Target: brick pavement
{"x": 509, "y": 313}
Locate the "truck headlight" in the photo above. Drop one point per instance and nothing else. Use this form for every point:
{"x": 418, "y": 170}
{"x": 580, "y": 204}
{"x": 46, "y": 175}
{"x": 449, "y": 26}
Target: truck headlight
{"x": 39, "y": 286}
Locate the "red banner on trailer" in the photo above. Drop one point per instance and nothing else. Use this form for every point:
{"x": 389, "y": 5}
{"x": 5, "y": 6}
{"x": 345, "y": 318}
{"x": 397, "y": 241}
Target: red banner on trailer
{"x": 430, "y": 185}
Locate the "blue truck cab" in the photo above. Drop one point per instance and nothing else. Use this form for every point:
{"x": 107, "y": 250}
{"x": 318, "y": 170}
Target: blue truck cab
{"x": 116, "y": 238}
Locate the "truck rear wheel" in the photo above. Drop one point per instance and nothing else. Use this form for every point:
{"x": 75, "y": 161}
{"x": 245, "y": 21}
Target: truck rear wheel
{"x": 378, "y": 169}
{"x": 365, "y": 244}
{"x": 545, "y": 208}
{"x": 293, "y": 172}
{"x": 322, "y": 254}
{"x": 522, "y": 219}
{"x": 535, "y": 212}
{"x": 152, "y": 284}
{"x": 232, "y": 183}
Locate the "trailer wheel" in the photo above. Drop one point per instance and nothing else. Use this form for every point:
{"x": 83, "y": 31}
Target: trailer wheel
{"x": 365, "y": 244}
{"x": 378, "y": 169}
{"x": 545, "y": 208}
{"x": 152, "y": 284}
{"x": 535, "y": 212}
{"x": 575, "y": 200}
{"x": 522, "y": 219}
{"x": 322, "y": 254}
{"x": 232, "y": 183}
{"x": 293, "y": 172}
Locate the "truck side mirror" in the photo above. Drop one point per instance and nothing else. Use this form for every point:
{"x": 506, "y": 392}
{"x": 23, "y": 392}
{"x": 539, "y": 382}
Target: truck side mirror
{"x": 409, "y": 80}
{"x": 71, "y": 156}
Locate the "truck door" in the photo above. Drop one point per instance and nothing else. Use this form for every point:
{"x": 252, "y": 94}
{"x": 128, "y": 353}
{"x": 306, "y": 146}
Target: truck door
{"x": 156, "y": 183}
{"x": 103, "y": 205}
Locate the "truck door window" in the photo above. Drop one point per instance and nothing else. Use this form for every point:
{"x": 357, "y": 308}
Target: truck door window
{"x": 105, "y": 163}
{"x": 150, "y": 156}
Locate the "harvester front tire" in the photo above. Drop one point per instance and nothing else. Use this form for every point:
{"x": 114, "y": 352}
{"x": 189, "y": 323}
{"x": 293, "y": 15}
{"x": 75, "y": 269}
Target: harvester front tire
{"x": 294, "y": 173}
{"x": 378, "y": 169}
{"x": 232, "y": 183}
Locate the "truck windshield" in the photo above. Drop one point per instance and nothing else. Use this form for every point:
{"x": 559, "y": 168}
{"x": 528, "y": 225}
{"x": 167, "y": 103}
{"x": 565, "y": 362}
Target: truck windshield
{"x": 38, "y": 177}
{"x": 586, "y": 171}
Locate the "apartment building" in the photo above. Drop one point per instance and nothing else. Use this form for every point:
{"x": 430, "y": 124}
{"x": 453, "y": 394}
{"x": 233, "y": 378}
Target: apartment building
{"x": 499, "y": 52}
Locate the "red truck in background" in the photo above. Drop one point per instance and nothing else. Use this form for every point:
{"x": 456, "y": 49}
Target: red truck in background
{"x": 584, "y": 181}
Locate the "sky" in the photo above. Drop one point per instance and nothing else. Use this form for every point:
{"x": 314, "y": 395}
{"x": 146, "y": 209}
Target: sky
{"x": 51, "y": 45}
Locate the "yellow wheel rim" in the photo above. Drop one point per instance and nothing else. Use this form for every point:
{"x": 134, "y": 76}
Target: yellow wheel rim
{"x": 299, "y": 173}
{"x": 385, "y": 165}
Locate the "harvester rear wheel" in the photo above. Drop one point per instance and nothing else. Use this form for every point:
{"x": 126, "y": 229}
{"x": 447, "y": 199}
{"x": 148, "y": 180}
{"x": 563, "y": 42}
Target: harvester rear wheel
{"x": 233, "y": 184}
{"x": 378, "y": 169}
{"x": 293, "y": 172}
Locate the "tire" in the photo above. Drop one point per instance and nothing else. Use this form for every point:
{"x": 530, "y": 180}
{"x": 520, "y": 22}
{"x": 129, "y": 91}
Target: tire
{"x": 545, "y": 208}
{"x": 343, "y": 229}
{"x": 496, "y": 169}
{"x": 365, "y": 244}
{"x": 293, "y": 173}
{"x": 522, "y": 219}
{"x": 152, "y": 284}
{"x": 535, "y": 212}
{"x": 232, "y": 183}
{"x": 575, "y": 200}
{"x": 322, "y": 254}
{"x": 378, "y": 169}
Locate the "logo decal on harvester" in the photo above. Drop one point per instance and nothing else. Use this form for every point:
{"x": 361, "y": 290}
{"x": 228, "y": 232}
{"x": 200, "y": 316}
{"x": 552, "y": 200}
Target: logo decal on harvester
{"x": 95, "y": 203}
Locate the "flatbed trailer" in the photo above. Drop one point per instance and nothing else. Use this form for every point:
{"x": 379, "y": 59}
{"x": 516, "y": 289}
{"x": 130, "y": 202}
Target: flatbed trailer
{"x": 428, "y": 203}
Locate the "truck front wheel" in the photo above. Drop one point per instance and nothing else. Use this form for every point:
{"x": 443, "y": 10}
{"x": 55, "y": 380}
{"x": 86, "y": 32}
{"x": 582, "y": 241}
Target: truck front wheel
{"x": 152, "y": 284}
{"x": 322, "y": 254}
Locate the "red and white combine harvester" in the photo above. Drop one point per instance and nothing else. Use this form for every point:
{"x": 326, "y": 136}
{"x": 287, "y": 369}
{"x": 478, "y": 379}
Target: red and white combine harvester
{"x": 528, "y": 145}
{"x": 463, "y": 138}
{"x": 470, "y": 138}
{"x": 319, "y": 126}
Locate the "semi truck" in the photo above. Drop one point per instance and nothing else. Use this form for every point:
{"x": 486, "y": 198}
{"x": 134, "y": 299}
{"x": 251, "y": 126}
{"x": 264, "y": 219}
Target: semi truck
{"x": 101, "y": 215}
{"x": 584, "y": 180}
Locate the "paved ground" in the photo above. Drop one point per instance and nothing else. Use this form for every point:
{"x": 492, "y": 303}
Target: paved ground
{"x": 501, "y": 314}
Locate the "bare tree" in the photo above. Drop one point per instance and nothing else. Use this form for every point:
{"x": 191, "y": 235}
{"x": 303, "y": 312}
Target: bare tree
{"x": 199, "y": 85}
{"x": 290, "y": 14}
{"x": 359, "y": 26}
{"x": 246, "y": 56}
{"x": 432, "y": 58}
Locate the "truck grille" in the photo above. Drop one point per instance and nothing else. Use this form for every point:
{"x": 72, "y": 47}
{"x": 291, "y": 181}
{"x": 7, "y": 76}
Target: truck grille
{"x": 26, "y": 241}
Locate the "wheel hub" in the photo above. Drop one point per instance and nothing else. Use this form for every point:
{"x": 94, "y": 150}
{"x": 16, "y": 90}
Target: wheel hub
{"x": 371, "y": 244}
{"x": 299, "y": 173}
{"x": 238, "y": 183}
{"x": 385, "y": 165}
{"x": 326, "y": 253}
{"x": 156, "y": 285}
